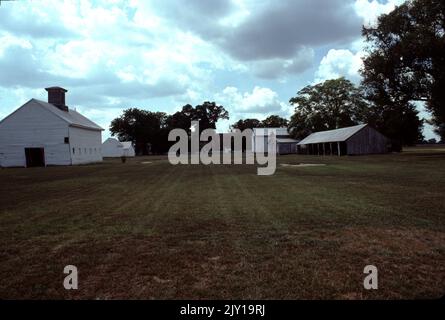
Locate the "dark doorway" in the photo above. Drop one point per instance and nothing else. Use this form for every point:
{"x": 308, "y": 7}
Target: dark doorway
{"x": 343, "y": 148}
{"x": 35, "y": 157}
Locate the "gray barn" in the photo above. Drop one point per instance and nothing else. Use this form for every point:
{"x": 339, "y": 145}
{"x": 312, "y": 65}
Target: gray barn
{"x": 356, "y": 140}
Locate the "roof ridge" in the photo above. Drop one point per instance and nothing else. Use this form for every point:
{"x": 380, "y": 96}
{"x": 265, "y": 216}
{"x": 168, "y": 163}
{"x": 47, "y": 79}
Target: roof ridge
{"x": 71, "y": 113}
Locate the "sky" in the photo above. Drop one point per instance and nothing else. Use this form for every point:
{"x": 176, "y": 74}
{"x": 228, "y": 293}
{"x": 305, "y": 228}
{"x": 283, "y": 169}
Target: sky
{"x": 251, "y": 56}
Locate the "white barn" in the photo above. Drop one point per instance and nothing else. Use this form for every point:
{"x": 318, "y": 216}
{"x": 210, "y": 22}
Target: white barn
{"x": 113, "y": 148}
{"x": 48, "y": 133}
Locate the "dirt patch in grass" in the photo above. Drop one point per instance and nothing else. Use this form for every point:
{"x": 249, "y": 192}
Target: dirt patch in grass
{"x": 302, "y": 165}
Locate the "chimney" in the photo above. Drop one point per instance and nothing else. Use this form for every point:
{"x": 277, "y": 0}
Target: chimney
{"x": 56, "y": 96}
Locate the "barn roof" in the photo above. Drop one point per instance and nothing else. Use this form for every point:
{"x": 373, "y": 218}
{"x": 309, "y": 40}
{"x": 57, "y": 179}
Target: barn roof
{"x": 286, "y": 140}
{"x": 123, "y": 144}
{"x": 71, "y": 116}
{"x": 337, "y": 135}
{"x": 111, "y": 140}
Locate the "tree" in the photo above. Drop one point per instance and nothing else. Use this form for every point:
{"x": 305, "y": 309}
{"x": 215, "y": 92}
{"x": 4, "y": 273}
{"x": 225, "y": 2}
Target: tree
{"x": 179, "y": 120}
{"x": 207, "y": 114}
{"x": 149, "y": 130}
{"x": 144, "y": 128}
{"x": 432, "y": 141}
{"x": 274, "y": 122}
{"x": 246, "y": 124}
{"x": 405, "y": 63}
{"x": 325, "y": 106}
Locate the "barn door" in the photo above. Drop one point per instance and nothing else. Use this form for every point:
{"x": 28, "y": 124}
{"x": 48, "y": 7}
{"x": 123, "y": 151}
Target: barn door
{"x": 35, "y": 157}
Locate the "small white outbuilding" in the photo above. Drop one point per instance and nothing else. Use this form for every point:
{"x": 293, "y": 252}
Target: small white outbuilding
{"x": 48, "y": 133}
{"x": 284, "y": 144}
{"x": 113, "y": 148}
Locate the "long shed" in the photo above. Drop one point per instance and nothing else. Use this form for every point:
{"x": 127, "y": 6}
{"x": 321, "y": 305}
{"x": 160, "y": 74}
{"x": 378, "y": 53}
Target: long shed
{"x": 356, "y": 140}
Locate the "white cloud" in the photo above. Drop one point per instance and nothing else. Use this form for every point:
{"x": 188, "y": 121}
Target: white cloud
{"x": 347, "y": 63}
{"x": 260, "y": 101}
{"x": 340, "y": 63}
{"x": 370, "y": 10}
{"x": 8, "y": 40}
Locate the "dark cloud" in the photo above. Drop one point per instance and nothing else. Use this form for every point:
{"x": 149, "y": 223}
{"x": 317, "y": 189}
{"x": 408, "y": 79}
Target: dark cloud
{"x": 98, "y": 95}
{"x": 22, "y": 67}
{"x": 276, "y": 68}
{"x": 25, "y": 23}
{"x": 279, "y": 30}
{"x": 191, "y": 9}
{"x": 164, "y": 87}
{"x": 200, "y": 16}
{"x": 274, "y": 32}
{"x": 25, "y": 67}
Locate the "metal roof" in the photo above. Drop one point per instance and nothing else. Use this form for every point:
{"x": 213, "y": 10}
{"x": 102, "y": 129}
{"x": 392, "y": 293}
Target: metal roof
{"x": 119, "y": 144}
{"x": 337, "y": 135}
{"x": 286, "y": 140}
{"x": 73, "y": 117}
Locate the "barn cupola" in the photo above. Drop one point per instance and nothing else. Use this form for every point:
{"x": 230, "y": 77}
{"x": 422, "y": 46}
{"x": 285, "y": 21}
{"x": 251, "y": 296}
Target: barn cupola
{"x": 56, "y": 96}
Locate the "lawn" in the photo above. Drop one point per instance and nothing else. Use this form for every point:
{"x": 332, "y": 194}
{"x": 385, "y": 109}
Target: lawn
{"x": 149, "y": 230}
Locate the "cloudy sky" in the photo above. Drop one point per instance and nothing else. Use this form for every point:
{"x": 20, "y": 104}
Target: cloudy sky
{"x": 249, "y": 55}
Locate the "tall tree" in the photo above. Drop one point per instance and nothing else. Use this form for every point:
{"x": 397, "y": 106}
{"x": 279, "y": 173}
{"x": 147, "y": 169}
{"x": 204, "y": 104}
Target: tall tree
{"x": 144, "y": 128}
{"x": 405, "y": 63}
{"x": 207, "y": 114}
{"x": 149, "y": 130}
{"x": 274, "y": 121}
{"x": 179, "y": 120}
{"x": 246, "y": 124}
{"x": 329, "y": 105}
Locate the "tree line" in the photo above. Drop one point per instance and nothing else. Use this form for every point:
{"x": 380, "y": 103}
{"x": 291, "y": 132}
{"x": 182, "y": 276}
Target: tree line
{"x": 149, "y": 130}
{"x": 404, "y": 65}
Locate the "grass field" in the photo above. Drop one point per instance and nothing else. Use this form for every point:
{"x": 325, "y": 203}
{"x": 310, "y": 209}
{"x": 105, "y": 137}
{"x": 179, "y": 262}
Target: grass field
{"x": 156, "y": 231}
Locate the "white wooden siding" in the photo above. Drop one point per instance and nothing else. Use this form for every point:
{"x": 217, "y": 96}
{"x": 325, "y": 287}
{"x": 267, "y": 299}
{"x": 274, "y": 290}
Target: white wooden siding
{"x": 112, "y": 148}
{"x": 87, "y": 145}
{"x": 33, "y": 126}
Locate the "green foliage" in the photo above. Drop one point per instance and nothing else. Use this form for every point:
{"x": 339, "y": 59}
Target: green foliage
{"x": 406, "y": 62}
{"x": 149, "y": 130}
{"x": 246, "y": 124}
{"x": 207, "y": 114}
{"x": 274, "y": 122}
{"x": 144, "y": 128}
{"x": 329, "y": 105}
